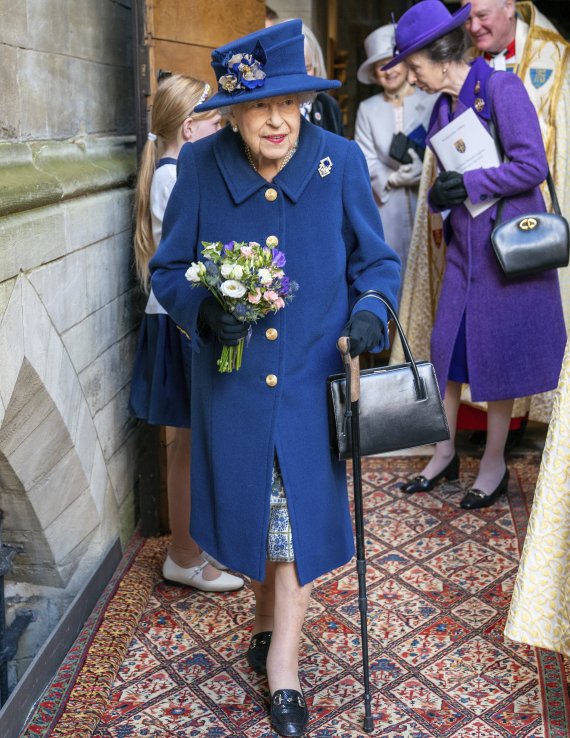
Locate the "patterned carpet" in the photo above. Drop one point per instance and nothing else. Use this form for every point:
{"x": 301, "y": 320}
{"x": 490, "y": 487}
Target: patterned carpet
{"x": 161, "y": 661}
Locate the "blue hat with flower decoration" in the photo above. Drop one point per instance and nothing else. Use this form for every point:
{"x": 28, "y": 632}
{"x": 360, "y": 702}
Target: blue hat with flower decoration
{"x": 267, "y": 63}
{"x": 422, "y": 24}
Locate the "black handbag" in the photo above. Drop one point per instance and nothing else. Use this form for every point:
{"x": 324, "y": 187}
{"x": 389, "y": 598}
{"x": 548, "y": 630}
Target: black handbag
{"x": 399, "y": 406}
{"x": 533, "y": 243}
{"x": 400, "y": 145}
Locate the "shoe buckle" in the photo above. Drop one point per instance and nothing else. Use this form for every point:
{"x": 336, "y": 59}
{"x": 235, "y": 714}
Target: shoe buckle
{"x": 301, "y": 702}
{"x": 278, "y": 700}
{"x": 479, "y": 493}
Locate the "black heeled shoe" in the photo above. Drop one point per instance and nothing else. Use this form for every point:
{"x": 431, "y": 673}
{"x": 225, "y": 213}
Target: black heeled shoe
{"x": 289, "y": 712}
{"x": 475, "y": 498}
{"x": 421, "y": 484}
{"x": 256, "y": 654}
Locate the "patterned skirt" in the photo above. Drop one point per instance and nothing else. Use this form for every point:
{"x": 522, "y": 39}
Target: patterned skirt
{"x": 279, "y": 538}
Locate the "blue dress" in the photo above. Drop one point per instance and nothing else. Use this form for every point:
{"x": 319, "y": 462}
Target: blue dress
{"x": 161, "y": 384}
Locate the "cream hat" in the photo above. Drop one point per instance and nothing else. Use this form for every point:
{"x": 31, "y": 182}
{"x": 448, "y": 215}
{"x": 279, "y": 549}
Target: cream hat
{"x": 378, "y": 45}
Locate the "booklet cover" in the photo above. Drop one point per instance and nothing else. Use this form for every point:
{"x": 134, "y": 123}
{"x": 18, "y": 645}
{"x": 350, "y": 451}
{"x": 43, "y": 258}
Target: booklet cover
{"x": 463, "y": 145}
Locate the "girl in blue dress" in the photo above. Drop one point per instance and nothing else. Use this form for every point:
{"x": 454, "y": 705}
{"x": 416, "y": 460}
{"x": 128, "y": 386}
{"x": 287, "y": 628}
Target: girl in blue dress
{"x": 160, "y": 389}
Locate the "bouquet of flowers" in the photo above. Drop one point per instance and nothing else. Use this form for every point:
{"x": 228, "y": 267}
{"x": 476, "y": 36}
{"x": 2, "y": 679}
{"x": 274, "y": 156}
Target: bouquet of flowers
{"x": 248, "y": 281}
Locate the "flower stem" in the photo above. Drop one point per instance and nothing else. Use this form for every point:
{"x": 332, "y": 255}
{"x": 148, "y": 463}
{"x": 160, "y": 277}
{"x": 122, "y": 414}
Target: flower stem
{"x": 231, "y": 358}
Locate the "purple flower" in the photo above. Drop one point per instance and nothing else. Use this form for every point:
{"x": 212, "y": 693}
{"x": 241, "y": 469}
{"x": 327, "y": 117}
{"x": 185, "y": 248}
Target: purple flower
{"x": 229, "y": 246}
{"x": 240, "y": 311}
{"x": 285, "y": 285}
{"x": 278, "y": 258}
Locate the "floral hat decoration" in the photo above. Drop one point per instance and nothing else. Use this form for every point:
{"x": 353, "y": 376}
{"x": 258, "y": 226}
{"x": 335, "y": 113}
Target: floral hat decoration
{"x": 266, "y": 63}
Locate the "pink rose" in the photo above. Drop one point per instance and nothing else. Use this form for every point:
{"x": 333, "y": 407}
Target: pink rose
{"x": 271, "y": 296}
{"x": 254, "y": 298}
{"x": 279, "y": 303}
{"x": 246, "y": 250}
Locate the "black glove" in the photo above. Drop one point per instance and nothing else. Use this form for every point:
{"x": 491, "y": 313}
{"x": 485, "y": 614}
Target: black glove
{"x": 364, "y": 330}
{"x": 227, "y": 328}
{"x": 448, "y": 189}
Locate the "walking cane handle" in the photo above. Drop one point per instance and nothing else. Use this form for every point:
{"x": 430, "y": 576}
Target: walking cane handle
{"x": 352, "y": 367}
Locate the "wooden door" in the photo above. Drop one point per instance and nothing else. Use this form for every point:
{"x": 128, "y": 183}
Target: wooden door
{"x": 178, "y": 36}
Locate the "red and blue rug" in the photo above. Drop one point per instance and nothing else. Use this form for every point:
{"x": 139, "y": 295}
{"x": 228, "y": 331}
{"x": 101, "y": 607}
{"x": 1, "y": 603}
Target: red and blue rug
{"x": 158, "y": 661}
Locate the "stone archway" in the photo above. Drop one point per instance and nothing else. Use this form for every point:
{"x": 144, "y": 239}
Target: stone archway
{"x": 53, "y": 479}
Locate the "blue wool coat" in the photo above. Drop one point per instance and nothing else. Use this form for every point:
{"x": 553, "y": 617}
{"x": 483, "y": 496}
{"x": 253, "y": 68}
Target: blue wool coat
{"x": 515, "y": 334}
{"x": 330, "y": 231}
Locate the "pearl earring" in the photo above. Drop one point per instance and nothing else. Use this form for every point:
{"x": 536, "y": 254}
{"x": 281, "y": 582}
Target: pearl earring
{"x": 444, "y": 70}
{"x": 235, "y": 128}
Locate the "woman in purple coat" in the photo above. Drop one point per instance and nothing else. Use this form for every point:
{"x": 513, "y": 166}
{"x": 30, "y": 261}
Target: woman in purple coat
{"x": 504, "y": 338}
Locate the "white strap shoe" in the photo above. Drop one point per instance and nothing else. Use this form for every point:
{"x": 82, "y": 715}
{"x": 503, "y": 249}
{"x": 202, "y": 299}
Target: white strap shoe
{"x": 215, "y": 563}
{"x": 194, "y": 577}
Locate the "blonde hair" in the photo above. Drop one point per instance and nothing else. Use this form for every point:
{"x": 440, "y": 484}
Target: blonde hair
{"x": 174, "y": 101}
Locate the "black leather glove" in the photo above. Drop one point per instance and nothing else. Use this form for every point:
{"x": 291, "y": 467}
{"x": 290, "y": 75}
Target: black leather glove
{"x": 227, "y": 328}
{"x": 448, "y": 189}
{"x": 364, "y": 330}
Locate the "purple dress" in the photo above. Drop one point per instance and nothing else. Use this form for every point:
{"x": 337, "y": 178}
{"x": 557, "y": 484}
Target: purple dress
{"x": 510, "y": 335}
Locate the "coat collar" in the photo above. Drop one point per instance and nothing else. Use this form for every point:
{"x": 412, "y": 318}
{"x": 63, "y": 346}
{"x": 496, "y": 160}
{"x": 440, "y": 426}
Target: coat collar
{"x": 474, "y": 94}
{"x": 243, "y": 182}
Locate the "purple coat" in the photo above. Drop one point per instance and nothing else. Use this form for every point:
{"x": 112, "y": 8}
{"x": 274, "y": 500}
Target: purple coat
{"x": 515, "y": 334}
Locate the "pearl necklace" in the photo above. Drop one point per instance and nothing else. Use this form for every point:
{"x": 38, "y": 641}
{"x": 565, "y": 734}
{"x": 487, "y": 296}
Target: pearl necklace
{"x": 286, "y": 159}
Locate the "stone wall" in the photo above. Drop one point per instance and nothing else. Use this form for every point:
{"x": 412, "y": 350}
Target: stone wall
{"x": 67, "y": 313}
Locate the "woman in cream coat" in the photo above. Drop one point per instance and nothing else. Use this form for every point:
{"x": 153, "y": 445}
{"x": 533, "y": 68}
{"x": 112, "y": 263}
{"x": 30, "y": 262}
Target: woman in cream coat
{"x": 398, "y": 108}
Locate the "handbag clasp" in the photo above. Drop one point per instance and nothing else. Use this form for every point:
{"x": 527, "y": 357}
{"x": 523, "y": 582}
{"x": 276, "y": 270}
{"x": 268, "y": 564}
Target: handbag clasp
{"x": 528, "y": 224}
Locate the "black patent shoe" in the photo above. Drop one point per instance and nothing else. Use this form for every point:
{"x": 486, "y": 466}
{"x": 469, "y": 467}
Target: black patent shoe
{"x": 289, "y": 713}
{"x": 421, "y": 484}
{"x": 257, "y": 652}
{"x": 475, "y": 498}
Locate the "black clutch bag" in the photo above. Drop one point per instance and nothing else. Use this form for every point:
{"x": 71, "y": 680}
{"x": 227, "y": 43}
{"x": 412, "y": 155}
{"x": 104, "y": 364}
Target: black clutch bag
{"x": 399, "y": 406}
{"x": 532, "y": 243}
{"x": 400, "y": 145}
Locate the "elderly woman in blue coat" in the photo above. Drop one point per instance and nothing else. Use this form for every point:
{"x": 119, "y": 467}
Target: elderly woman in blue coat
{"x": 268, "y": 498}
{"x": 504, "y": 338}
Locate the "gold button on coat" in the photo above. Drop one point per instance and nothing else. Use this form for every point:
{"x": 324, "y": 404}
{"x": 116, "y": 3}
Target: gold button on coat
{"x": 271, "y": 334}
{"x": 272, "y": 242}
{"x": 271, "y": 194}
{"x": 271, "y": 380}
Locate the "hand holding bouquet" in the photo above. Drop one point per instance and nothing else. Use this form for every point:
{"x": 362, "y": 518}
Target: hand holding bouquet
{"x": 248, "y": 281}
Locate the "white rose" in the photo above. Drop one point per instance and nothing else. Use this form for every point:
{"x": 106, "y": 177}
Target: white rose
{"x": 264, "y": 276}
{"x": 237, "y": 271}
{"x": 226, "y": 270}
{"x": 194, "y": 271}
{"x": 232, "y": 288}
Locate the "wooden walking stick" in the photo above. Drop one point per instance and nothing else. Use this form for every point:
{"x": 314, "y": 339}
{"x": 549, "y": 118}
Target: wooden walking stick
{"x": 352, "y": 367}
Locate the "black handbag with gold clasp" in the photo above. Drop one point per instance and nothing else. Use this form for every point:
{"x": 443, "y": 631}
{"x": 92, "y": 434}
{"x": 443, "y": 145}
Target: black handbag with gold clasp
{"x": 533, "y": 243}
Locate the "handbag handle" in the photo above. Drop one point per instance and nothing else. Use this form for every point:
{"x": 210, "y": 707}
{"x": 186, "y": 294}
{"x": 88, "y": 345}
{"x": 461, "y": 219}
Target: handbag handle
{"x": 421, "y": 393}
{"x": 549, "y": 180}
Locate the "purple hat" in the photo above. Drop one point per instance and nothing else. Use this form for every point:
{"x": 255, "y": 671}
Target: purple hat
{"x": 422, "y": 24}
{"x": 267, "y": 63}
